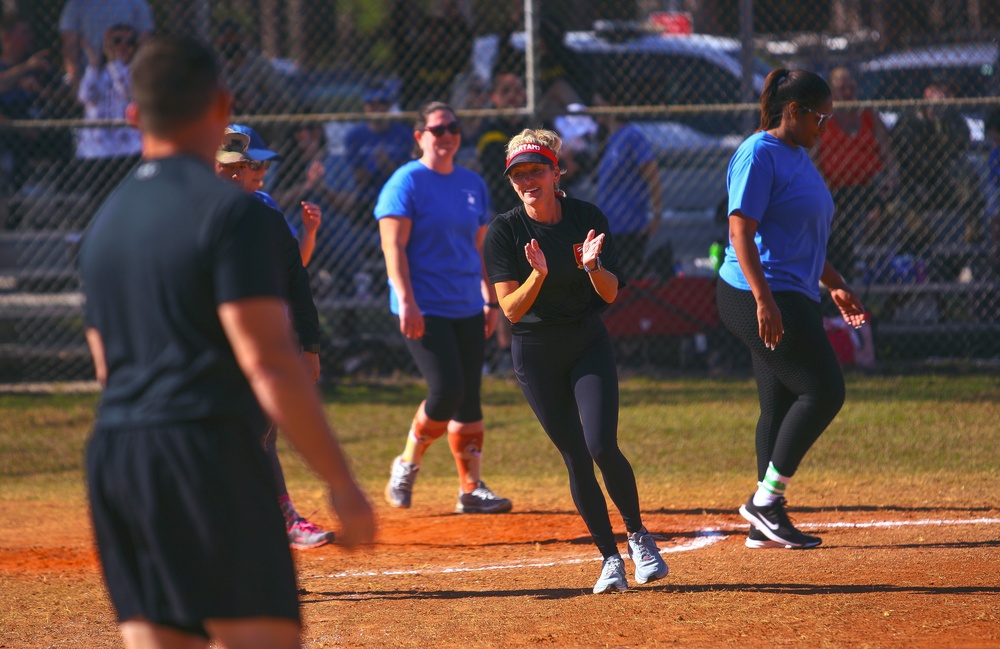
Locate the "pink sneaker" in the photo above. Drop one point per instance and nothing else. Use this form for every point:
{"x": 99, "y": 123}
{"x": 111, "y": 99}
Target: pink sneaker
{"x": 303, "y": 535}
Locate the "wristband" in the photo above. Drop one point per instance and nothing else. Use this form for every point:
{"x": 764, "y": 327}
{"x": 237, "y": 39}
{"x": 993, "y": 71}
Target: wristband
{"x": 493, "y": 305}
{"x": 597, "y": 267}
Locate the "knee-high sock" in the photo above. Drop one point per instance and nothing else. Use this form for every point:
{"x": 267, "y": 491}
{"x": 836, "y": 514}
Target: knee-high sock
{"x": 466, "y": 442}
{"x": 423, "y": 432}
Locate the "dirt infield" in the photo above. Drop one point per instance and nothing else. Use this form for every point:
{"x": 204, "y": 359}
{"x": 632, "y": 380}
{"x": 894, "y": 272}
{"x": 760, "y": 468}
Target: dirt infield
{"x": 884, "y": 577}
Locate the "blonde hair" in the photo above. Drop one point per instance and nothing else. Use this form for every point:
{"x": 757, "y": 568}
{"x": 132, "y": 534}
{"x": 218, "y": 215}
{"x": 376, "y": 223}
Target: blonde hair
{"x": 544, "y": 137}
{"x": 541, "y": 136}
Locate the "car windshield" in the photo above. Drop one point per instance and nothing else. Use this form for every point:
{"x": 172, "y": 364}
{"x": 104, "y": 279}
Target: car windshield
{"x": 970, "y": 69}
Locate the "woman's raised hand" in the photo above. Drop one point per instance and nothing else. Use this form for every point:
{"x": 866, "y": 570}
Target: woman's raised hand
{"x": 536, "y": 257}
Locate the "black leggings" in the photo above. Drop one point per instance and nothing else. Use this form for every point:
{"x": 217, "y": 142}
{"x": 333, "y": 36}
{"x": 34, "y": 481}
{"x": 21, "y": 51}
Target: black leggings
{"x": 569, "y": 377}
{"x": 450, "y": 358}
{"x": 799, "y": 383}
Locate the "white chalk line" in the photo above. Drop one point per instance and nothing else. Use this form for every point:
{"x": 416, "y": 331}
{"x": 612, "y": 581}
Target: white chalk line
{"x": 917, "y": 523}
{"x": 702, "y": 539}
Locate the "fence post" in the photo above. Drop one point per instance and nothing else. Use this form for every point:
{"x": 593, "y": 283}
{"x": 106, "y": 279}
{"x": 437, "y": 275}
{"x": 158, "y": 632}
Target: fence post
{"x": 531, "y": 77}
{"x": 747, "y": 94}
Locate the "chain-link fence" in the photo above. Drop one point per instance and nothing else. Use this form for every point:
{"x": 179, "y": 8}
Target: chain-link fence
{"x": 910, "y": 155}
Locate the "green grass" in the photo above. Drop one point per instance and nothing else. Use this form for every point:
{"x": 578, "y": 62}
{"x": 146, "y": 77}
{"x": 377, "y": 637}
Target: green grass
{"x": 691, "y": 436}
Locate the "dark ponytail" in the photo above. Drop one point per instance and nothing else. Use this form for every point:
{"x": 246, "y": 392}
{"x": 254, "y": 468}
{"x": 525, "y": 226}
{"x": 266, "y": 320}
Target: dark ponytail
{"x": 781, "y": 87}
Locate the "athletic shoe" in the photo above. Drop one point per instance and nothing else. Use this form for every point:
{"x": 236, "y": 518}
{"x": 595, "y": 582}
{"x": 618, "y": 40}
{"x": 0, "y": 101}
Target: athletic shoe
{"x": 757, "y": 541}
{"x": 772, "y": 521}
{"x": 399, "y": 491}
{"x": 303, "y": 535}
{"x": 642, "y": 550}
{"x": 612, "y": 576}
{"x": 482, "y": 501}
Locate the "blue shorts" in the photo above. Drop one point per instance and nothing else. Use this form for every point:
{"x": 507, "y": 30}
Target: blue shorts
{"x": 188, "y": 525}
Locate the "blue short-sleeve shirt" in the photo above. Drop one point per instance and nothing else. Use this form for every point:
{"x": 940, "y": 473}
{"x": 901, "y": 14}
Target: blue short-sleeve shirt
{"x": 446, "y": 211}
{"x": 778, "y": 186}
{"x": 622, "y": 192}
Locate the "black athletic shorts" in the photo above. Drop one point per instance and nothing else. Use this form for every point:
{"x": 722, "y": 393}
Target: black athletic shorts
{"x": 188, "y": 525}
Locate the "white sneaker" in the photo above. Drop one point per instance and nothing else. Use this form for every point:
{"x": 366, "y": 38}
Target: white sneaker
{"x": 612, "y": 576}
{"x": 399, "y": 491}
{"x": 649, "y": 565}
{"x": 482, "y": 500}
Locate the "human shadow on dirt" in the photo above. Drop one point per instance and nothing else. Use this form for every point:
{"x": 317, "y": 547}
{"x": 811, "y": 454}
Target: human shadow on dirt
{"x": 822, "y": 589}
{"x": 699, "y": 511}
{"x": 308, "y": 597}
{"x": 953, "y": 545}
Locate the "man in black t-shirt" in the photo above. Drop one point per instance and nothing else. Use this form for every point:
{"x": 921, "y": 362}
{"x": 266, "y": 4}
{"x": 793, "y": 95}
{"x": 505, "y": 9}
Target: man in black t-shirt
{"x": 187, "y": 326}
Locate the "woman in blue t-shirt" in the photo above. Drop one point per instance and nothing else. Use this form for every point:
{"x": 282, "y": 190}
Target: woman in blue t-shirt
{"x": 432, "y": 216}
{"x": 779, "y": 223}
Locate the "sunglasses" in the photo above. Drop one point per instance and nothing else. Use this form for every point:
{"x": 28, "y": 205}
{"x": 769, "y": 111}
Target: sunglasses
{"x": 437, "y": 131}
{"x": 123, "y": 41}
{"x": 822, "y": 116}
{"x": 257, "y": 165}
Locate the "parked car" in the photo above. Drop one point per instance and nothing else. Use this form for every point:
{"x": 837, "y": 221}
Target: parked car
{"x": 660, "y": 69}
{"x": 973, "y": 69}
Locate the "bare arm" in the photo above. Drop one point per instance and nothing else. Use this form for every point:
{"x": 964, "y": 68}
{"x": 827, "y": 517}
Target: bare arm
{"x": 843, "y": 296}
{"x": 71, "y": 55}
{"x": 12, "y": 75}
{"x": 395, "y": 233}
{"x": 312, "y": 216}
{"x": 262, "y": 341}
{"x": 516, "y": 298}
{"x": 741, "y": 232}
{"x": 96, "y": 344}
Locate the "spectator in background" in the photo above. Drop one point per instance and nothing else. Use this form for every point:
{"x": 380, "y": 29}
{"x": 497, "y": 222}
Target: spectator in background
{"x": 507, "y": 91}
{"x": 930, "y": 146}
{"x": 429, "y": 50}
{"x": 470, "y": 92}
{"x": 628, "y": 192}
{"x": 22, "y": 81}
{"x": 580, "y": 134}
{"x": 256, "y": 84}
{"x": 857, "y": 162}
{"x": 302, "y": 174}
{"x": 83, "y": 24}
{"x": 563, "y": 81}
{"x": 106, "y": 154}
{"x": 992, "y": 128}
{"x": 309, "y": 172}
{"x": 375, "y": 149}
{"x": 21, "y": 70}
